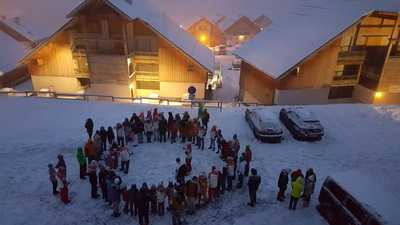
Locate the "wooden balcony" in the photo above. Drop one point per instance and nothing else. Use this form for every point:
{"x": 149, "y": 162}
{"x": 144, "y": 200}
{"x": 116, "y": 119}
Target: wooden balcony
{"x": 344, "y": 80}
{"x": 92, "y": 42}
{"x": 354, "y": 55}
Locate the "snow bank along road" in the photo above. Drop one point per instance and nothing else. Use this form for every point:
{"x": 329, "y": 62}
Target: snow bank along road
{"x": 33, "y": 131}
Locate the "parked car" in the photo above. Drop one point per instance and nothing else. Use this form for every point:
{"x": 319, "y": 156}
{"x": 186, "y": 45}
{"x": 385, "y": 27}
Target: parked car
{"x": 265, "y": 129}
{"x": 338, "y": 204}
{"x": 302, "y": 124}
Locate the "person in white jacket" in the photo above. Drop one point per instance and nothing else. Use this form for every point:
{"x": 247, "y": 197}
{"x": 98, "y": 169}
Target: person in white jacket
{"x": 120, "y": 134}
{"x": 148, "y": 130}
{"x": 161, "y": 195}
{"x": 156, "y": 128}
{"x": 213, "y": 183}
{"x": 124, "y": 155}
{"x": 240, "y": 171}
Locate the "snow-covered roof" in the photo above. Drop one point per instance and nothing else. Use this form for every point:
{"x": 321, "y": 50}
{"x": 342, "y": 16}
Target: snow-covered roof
{"x": 11, "y": 51}
{"x": 370, "y": 193}
{"x": 143, "y": 10}
{"x": 38, "y": 19}
{"x": 304, "y": 28}
{"x": 16, "y": 25}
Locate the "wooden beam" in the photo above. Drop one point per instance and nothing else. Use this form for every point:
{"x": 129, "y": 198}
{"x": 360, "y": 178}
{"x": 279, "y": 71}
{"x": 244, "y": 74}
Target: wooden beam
{"x": 390, "y": 47}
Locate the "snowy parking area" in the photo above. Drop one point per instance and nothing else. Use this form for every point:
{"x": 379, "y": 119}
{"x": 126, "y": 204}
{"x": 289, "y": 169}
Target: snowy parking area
{"x": 360, "y": 138}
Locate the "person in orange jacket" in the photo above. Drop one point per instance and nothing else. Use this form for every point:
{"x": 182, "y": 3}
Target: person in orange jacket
{"x": 90, "y": 151}
{"x": 247, "y": 158}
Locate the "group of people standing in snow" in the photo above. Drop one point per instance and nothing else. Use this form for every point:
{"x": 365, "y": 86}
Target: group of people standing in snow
{"x": 107, "y": 149}
{"x": 301, "y": 186}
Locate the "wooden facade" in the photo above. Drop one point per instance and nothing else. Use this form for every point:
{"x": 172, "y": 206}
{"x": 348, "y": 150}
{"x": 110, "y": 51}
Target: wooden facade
{"x": 366, "y": 55}
{"x": 207, "y": 33}
{"x": 100, "y": 47}
{"x": 255, "y": 86}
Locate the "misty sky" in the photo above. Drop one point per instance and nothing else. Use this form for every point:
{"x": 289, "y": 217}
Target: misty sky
{"x": 44, "y": 14}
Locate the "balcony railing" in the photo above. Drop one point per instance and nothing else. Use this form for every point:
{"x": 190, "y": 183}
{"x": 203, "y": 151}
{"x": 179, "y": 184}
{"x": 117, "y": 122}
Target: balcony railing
{"x": 344, "y": 80}
{"x": 351, "y": 55}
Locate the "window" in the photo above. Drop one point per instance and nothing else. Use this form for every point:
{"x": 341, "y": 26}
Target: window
{"x": 350, "y": 70}
{"x": 341, "y": 92}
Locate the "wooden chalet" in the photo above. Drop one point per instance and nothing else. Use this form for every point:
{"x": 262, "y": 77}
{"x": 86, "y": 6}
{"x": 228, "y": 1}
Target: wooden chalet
{"x": 241, "y": 31}
{"x": 206, "y": 32}
{"x": 352, "y": 59}
{"x": 120, "y": 48}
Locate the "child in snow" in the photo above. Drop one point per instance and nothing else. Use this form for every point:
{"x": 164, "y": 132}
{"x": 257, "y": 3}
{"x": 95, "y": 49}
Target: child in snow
{"x": 240, "y": 171}
{"x": 82, "y": 163}
{"x": 247, "y": 158}
{"x": 213, "y": 184}
{"x": 120, "y": 134}
{"x": 213, "y": 136}
{"x": 92, "y": 171}
{"x": 89, "y": 127}
{"x": 188, "y": 158}
{"x": 125, "y": 198}
{"x": 174, "y": 130}
{"x": 148, "y": 129}
{"x": 283, "y": 181}
{"x": 161, "y": 199}
{"x": 253, "y": 184}
{"x": 156, "y": 127}
{"x": 191, "y": 194}
{"x": 200, "y": 138}
{"x": 110, "y": 136}
{"x": 61, "y": 163}
{"x": 116, "y": 196}
{"x": 124, "y": 154}
{"x": 153, "y": 199}
{"x": 309, "y": 186}
{"x": 230, "y": 165}
{"x": 62, "y": 185}
{"x": 203, "y": 189}
{"x": 53, "y": 179}
{"x": 297, "y": 190}
{"x": 103, "y": 181}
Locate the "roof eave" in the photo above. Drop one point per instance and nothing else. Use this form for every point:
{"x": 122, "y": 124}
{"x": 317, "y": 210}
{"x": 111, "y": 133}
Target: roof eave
{"x": 283, "y": 75}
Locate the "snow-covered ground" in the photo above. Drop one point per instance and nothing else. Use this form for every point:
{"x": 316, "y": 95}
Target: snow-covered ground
{"x": 230, "y": 79}
{"x": 360, "y": 138}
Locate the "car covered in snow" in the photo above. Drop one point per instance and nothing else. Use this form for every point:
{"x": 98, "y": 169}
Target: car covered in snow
{"x": 264, "y": 126}
{"x": 355, "y": 198}
{"x": 302, "y": 124}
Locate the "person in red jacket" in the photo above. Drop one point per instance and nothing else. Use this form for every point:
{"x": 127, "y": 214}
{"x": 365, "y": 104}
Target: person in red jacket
{"x": 125, "y": 198}
{"x": 62, "y": 185}
{"x": 247, "y": 158}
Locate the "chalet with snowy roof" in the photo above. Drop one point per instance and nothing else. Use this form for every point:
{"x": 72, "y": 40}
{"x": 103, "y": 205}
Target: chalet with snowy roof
{"x": 120, "y": 48}
{"x": 241, "y": 31}
{"x": 347, "y": 54}
{"x": 206, "y": 32}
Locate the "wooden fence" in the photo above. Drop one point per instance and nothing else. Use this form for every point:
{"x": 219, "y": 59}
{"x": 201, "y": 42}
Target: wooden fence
{"x": 139, "y": 100}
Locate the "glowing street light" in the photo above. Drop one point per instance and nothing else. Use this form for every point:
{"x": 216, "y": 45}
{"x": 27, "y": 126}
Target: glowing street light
{"x": 378, "y": 95}
{"x": 203, "y": 38}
